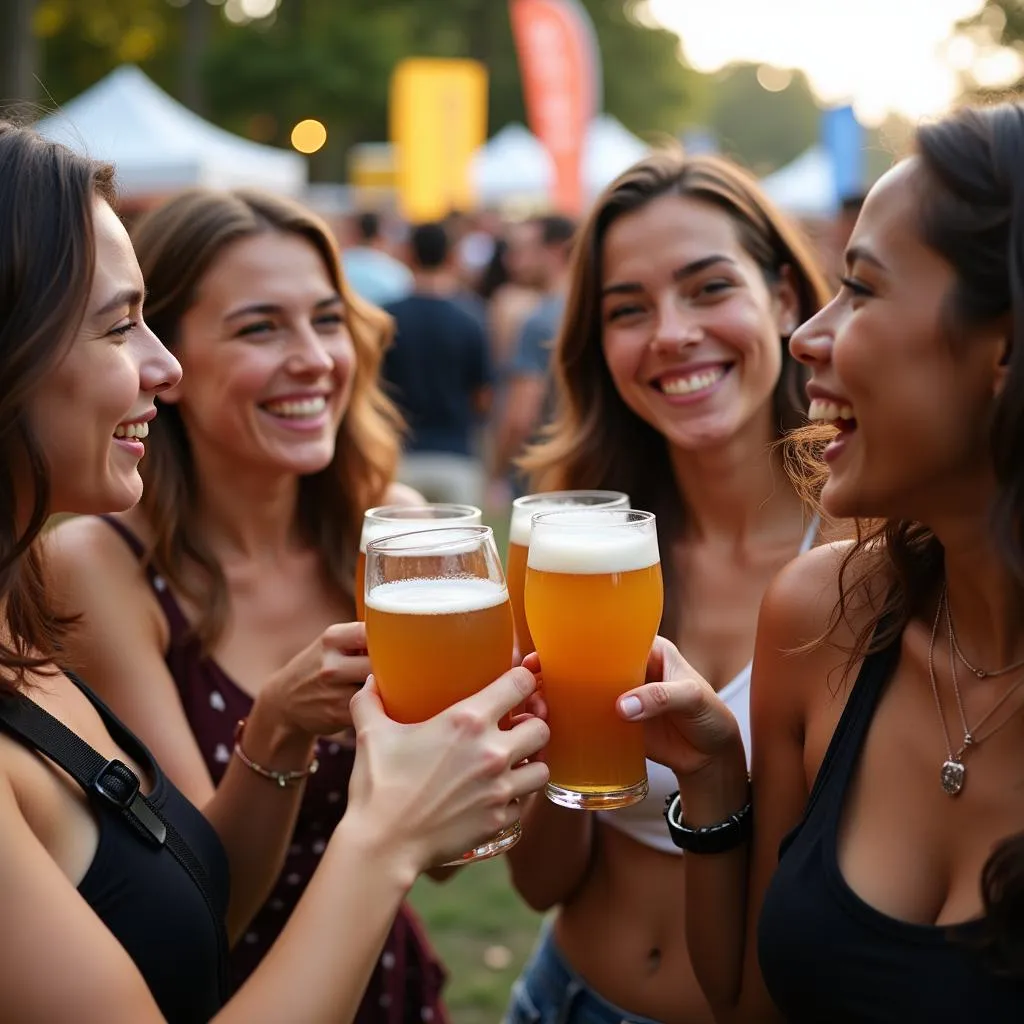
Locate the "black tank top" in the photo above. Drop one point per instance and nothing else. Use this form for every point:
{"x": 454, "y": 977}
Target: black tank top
{"x": 148, "y": 900}
{"x": 826, "y": 955}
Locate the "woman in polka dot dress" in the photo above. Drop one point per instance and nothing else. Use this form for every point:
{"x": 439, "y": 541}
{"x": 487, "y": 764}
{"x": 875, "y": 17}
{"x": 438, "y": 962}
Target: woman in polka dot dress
{"x": 222, "y": 590}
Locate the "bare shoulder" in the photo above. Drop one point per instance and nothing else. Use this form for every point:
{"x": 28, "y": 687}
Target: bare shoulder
{"x": 86, "y": 546}
{"x": 91, "y": 572}
{"x": 403, "y": 494}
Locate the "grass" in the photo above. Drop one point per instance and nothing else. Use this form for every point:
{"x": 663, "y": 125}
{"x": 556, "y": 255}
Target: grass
{"x": 483, "y": 932}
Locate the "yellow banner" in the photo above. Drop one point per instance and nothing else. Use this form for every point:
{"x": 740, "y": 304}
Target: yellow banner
{"x": 438, "y": 115}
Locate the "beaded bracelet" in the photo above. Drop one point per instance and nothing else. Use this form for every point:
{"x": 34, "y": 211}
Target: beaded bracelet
{"x": 281, "y": 778}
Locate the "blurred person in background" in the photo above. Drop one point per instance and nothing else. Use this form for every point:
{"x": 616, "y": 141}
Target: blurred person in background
{"x": 527, "y": 376}
{"x": 226, "y": 595}
{"x": 370, "y": 270}
{"x": 674, "y": 383}
{"x": 438, "y": 370}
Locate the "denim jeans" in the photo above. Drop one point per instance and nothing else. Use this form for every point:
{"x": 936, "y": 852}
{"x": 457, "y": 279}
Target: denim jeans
{"x": 549, "y": 991}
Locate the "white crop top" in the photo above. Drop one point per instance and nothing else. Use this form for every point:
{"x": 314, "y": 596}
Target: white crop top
{"x": 645, "y": 821}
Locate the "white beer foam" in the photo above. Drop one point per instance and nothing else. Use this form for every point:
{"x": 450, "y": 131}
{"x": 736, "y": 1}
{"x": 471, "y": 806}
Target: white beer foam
{"x": 592, "y": 549}
{"x": 375, "y": 530}
{"x": 436, "y": 596}
{"x": 522, "y": 516}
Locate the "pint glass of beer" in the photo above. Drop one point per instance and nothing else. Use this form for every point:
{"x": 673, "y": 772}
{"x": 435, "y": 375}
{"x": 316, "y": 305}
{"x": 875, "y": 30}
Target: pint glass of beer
{"x": 593, "y": 602}
{"x": 438, "y": 627}
{"x": 388, "y": 520}
{"x": 523, "y": 511}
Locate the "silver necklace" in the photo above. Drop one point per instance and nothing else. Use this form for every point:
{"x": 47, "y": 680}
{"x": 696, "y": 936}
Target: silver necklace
{"x": 981, "y": 673}
{"x": 954, "y": 771}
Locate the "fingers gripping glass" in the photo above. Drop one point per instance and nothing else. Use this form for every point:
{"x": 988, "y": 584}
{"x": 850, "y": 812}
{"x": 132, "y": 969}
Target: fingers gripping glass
{"x": 438, "y": 628}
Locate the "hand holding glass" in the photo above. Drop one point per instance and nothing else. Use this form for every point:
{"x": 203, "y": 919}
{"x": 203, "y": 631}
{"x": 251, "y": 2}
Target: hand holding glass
{"x": 438, "y": 627}
{"x": 593, "y": 602}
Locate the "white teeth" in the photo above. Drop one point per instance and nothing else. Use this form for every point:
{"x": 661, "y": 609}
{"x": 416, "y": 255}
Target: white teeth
{"x": 304, "y": 408}
{"x": 695, "y": 382}
{"x": 822, "y": 409}
{"x": 134, "y": 430}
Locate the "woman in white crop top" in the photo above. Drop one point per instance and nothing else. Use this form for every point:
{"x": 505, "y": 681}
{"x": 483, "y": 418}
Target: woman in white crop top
{"x": 674, "y": 381}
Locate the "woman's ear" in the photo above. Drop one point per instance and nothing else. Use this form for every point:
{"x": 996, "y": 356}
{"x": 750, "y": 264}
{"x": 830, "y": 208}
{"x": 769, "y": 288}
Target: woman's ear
{"x": 1002, "y": 347}
{"x": 787, "y": 302}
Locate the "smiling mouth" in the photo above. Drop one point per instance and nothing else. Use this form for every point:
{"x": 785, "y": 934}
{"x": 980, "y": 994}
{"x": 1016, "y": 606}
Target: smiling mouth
{"x": 297, "y": 409}
{"x": 839, "y": 415}
{"x": 677, "y": 384}
{"x": 132, "y": 431}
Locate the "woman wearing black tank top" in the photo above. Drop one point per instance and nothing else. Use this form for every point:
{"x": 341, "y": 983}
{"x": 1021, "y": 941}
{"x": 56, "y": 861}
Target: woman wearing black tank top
{"x": 113, "y": 886}
{"x": 879, "y": 873}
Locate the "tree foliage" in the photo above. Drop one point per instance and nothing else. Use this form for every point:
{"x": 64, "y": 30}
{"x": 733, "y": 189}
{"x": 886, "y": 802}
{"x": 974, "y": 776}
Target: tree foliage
{"x": 332, "y": 59}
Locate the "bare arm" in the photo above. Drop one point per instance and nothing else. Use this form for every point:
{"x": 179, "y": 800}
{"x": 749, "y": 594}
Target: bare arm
{"x": 691, "y": 731}
{"x": 419, "y": 794}
{"x": 118, "y": 647}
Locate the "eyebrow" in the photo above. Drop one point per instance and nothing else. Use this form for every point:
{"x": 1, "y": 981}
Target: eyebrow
{"x": 631, "y": 287}
{"x": 125, "y": 297}
{"x": 857, "y": 253}
{"x": 266, "y": 308}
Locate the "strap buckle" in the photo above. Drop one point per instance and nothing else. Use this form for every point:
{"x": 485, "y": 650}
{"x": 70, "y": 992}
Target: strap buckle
{"x": 119, "y": 785}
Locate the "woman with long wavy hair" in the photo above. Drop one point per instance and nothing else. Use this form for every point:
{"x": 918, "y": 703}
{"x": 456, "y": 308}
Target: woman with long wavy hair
{"x": 114, "y": 886}
{"x": 674, "y": 385}
{"x": 872, "y": 869}
{"x": 229, "y": 581}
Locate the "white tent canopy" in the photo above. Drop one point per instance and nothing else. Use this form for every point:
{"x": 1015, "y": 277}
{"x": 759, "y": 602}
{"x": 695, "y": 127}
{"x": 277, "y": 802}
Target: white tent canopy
{"x": 806, "y": 187}
{"x": 609, "y": 150}
{"x": 158, "y": 145}
{"x": 515, "y": 166}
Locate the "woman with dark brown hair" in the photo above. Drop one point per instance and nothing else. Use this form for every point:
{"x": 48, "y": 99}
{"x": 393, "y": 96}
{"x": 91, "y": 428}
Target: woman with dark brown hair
{"x": 872, "y": 869}
{"x": 674, "y": 385}
{"x": 228, "y": 580}
{"x": 114, "y": 887}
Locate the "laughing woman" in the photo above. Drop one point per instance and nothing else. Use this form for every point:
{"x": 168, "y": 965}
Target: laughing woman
{"x": 226, "y": 582}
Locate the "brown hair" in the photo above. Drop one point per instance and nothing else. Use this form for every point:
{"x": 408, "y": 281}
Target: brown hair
{"x": 596, "y": 440}
{"x": 47, "y": 259}
{"x": 972, "y": 214}
{"x": 177, "y": 244}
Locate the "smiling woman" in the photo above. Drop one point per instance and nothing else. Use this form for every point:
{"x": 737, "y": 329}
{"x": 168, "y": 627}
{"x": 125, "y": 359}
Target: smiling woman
{"x": 231, "y": 577}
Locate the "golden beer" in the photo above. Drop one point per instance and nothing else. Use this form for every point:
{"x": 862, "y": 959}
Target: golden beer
{"x": 389, "y": 520}
{"x": 435, "y": 642}
{"x": 438, "y": 628}
{"x": 523, "y": 511}
{"x": 594, "y": 602}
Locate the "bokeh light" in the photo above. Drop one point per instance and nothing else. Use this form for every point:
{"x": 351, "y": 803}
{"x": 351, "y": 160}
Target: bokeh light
{"x": 309, "y": 135}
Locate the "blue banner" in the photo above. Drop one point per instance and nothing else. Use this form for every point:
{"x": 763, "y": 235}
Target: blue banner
{"x": 843, "y": 138}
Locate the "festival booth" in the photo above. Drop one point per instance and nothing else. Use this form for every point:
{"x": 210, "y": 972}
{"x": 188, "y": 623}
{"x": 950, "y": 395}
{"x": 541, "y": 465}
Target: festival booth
{"x": 159, "y": 146}
{"x": 513, "y": 169}
{"x": 610, "y": 148}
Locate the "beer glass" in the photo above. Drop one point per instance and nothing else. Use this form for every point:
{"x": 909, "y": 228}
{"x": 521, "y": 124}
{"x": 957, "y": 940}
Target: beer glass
{"x": 387, "y": 520}
{"x": 593, "y": 601}
{"x": 523, "y": 511}
{"x": 438, "y": 627}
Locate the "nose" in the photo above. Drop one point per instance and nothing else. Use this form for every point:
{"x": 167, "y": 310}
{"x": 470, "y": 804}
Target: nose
{"x": 158, "y": 368}
{"x": 677, "y": 327}
{"x": 811, "y": 343}
{"x": 308, "y": 352}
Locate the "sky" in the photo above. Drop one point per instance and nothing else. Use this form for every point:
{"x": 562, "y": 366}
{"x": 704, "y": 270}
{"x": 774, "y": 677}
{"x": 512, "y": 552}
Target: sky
{"x": 883, "y": 55}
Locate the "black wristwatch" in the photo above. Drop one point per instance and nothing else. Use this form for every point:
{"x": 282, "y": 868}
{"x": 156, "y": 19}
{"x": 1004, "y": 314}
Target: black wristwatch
{"x": 719, "y": 838}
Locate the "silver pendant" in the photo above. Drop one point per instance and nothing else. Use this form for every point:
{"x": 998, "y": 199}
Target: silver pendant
{"x": 952, "y": 777}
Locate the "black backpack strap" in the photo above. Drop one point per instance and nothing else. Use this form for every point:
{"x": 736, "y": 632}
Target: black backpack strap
{"x": 111, "y": 781}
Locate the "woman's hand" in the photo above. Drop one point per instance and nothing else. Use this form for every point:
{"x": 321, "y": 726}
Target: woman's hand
{"x": 440, "y": 787}
{"x": 686, "y": 725}
{"x": 311, "y": 694}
